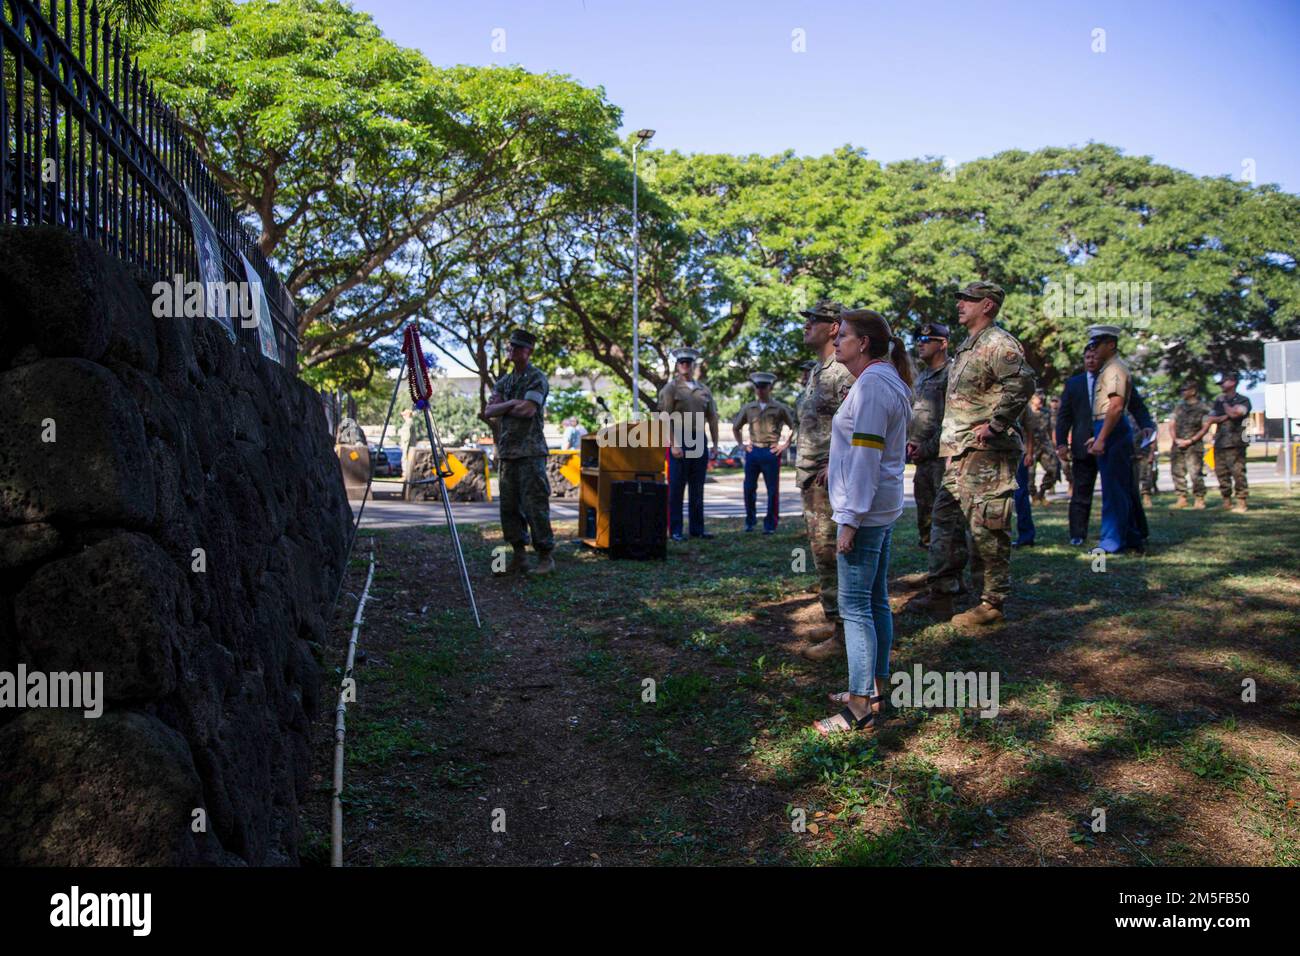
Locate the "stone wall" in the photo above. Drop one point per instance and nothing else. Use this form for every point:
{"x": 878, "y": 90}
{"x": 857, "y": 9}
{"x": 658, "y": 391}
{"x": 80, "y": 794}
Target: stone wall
{"x": 167, "y": 438}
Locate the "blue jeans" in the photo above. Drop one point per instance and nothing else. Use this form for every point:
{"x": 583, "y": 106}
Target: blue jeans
{"x": 762, "y": 461}
{"x": 864, "y": 608}
{"x": 1024, "y": 507}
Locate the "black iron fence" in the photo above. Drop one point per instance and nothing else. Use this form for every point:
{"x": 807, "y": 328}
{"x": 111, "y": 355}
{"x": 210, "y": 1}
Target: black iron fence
{"x": 86, "y": 144}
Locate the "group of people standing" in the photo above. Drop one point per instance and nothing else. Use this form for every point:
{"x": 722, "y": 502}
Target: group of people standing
{"x": 975, "y": 427}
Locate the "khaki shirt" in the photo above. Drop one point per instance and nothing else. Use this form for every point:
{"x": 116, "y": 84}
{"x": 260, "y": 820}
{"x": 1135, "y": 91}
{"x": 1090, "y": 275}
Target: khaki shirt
{"x": 691, "y": 400}
{"x": 1113, "y": 378}
{"x": 823, "y": 393}
{"x": 989, "y": 382}
{"x": 765, "y": 423}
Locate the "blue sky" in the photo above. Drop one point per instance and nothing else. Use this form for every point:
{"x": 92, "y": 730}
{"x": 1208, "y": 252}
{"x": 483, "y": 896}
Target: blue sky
{"x": 1201, "y": 86}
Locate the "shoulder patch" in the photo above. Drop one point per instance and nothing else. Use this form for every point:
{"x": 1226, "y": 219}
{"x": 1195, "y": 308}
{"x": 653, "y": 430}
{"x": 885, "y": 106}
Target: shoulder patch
{"x": 1011, "y": 355}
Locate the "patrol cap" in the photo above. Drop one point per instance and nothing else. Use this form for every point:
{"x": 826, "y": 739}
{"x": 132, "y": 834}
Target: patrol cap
{"x": 523, "y": 337}
{"x": 762, "y": 378}
{"x": 825, "y": 310}
{"x": 934, "y": 330}
{"x": 1192, "y": 384}
{"x": 982, "y": 290}
{"x": 686, "y": 355}
{"x": 1096, "y": 332}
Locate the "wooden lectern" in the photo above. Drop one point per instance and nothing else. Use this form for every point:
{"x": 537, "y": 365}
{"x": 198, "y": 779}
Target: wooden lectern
{"x": 619, "y": 452}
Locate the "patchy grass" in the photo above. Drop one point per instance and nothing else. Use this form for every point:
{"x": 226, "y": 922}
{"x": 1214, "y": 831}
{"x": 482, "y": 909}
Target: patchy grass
{"x": 1121, "y": 700}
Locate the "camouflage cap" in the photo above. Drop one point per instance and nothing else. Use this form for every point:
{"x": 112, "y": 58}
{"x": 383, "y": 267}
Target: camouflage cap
{"x": 523, "y": 337}
{"x": 933, "y": 330}
{"x": 982, "y": 290}
{"x": 762, "y": 378}
{"x": 825, "y": 310}
{"x": 1191, "y": 383}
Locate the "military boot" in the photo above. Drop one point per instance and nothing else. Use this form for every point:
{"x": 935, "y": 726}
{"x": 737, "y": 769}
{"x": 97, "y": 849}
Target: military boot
{"x": 828, "y": 648}
{"x": 1227, "y": 503}
{"x": 1179, "y": 504}
{"x": 1200, "y": 503}
{"x": 1240, "y": 506}
{"x": 518, "y": 562}
{"x": 909, "y": 582}
{"x": 932, "y": 603}
{"x": 982, "y": 615}
{"x": 822, "y": 632}
{"x": 545, "y": 564}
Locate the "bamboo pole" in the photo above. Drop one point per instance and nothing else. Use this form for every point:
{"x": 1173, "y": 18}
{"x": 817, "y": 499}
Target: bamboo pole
{"x": 336, "y": 828}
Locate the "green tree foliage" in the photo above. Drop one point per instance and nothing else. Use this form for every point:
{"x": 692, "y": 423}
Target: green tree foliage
{"x": 478, "y": 199}
{"x": 366, "y": 169}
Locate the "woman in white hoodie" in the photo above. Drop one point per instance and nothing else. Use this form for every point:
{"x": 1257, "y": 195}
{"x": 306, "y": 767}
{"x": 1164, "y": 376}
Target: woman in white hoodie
{"x": 865, "y": 481}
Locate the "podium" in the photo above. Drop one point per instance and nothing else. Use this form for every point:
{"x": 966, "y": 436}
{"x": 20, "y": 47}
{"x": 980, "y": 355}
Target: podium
{"x": 620, "y": 452}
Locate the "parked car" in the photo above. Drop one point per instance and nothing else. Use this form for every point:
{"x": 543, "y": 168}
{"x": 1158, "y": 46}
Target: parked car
{"x": 732, "y": 459}
{"x": 386, "y": 463}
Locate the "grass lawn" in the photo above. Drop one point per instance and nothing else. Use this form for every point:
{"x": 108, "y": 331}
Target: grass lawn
{"x": 1120, "y": 692}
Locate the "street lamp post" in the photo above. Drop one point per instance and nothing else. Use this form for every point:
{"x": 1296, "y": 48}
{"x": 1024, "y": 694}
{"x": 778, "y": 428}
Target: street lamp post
{"x": 642, "y": 137}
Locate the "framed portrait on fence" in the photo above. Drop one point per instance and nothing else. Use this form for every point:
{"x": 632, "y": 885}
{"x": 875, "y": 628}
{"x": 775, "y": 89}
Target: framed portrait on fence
{"x": 261, "y": 312}
{"x": 212, "y": 273}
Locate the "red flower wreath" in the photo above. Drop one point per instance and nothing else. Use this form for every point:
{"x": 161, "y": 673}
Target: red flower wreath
{"x": 417, "y": 377}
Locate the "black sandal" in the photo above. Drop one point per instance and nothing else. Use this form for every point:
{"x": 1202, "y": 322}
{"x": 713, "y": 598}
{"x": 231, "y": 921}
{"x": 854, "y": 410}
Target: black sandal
{"x": 886, "y": 711}
{"x": 852, "y": 720}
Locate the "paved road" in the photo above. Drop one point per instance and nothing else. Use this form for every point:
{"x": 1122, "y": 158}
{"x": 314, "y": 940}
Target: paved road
{"x": 723, "y": 498}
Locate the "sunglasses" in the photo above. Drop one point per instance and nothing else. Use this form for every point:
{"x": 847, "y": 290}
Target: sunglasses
{"x": 930, "y": 338}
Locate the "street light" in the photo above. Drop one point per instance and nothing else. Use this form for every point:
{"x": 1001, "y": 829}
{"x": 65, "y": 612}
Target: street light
{"x": 642, "y": 137}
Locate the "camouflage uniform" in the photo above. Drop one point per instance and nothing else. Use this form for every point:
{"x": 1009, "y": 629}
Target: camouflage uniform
{"x": 1044, "y": 432}
{"x": 923, "y": 432}
{"x": 1230, "y": 447}
{"x": 1144, "y": 460}
{"x": 989, "y": 382}
{"x": 523, "y": 487}
{"x": 1188, "y": 418}
{"x": 1066, "y": 465}
{"x": 827, "y": 384}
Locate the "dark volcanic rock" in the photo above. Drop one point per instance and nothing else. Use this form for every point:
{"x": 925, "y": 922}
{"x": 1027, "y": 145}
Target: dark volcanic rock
{"x": 116, "y": 790}
{"x": 183, "y": 536}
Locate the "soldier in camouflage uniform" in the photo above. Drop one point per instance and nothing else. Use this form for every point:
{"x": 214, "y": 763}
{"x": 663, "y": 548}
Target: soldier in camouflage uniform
{"x": 1067, "y": 466}
{"x": 824, "y": 389}
{"x": 938, "y": 514}
{"x": 989, "y": 386}
{"x": 1144, "y": 460}
{"x": 522, "y": 484}
{"x": 1191, "y": 422}
{"x": 1230, "y": 414}
{"x": 1043, "y": 428}
{"x": 927, "y": 417}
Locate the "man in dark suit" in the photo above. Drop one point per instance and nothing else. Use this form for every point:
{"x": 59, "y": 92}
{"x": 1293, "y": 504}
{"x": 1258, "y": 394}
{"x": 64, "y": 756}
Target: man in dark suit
{"x": 1074, "y": 429}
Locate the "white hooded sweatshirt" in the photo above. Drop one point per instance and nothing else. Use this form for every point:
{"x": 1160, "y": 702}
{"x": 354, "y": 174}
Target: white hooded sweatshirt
{"x": 869, "y": 449}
